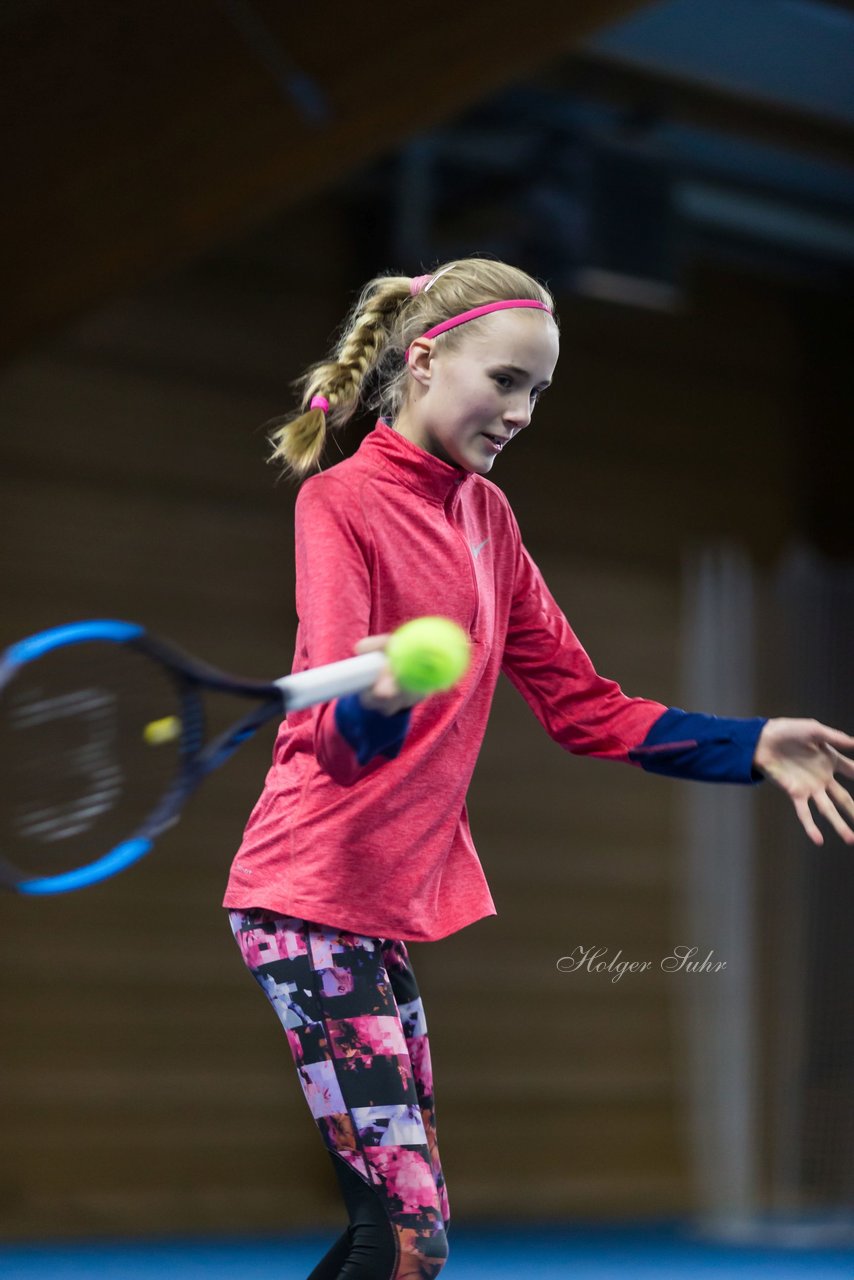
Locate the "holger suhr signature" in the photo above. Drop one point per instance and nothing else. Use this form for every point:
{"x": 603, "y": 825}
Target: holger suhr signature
{"x": 594, "y": 960}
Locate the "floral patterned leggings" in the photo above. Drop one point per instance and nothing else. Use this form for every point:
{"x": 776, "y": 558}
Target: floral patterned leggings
{"x": 353, "y": 1017}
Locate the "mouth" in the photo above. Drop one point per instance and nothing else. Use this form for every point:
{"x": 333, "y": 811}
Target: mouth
{"x": 497, "y": 442}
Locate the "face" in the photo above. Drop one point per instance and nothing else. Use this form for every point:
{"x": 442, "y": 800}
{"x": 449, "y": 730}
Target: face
{"x": 466, "y": 403}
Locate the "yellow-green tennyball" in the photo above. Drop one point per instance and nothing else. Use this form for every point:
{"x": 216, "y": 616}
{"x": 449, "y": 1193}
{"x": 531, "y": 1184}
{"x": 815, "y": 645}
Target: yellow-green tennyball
{"x": 156, "y": 732}
{"x": 428, "y": 655}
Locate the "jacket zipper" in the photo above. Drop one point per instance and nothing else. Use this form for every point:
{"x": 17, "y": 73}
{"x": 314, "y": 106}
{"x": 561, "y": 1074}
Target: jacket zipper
{"x": 449, "y": 509}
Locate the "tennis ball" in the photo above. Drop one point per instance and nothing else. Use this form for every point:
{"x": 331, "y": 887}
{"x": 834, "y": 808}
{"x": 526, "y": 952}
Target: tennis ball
{"x": 159, "y": 731}
{"x": 428, "y": 654}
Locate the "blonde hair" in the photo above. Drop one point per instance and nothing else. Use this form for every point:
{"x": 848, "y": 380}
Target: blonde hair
{"x": 367, "y": 366}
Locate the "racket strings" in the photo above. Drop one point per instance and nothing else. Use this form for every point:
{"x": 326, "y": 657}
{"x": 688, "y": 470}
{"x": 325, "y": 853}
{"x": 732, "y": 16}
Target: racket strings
{"x": 78, "y": 747}
{"x": 93, "y": 737}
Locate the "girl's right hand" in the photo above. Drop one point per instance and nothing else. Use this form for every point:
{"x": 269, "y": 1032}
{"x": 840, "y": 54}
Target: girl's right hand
{"x": 385, "y": 695}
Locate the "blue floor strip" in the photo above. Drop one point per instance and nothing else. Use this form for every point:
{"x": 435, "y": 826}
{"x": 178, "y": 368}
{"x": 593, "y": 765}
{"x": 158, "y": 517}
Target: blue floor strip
{"x": 477, "y": 1253}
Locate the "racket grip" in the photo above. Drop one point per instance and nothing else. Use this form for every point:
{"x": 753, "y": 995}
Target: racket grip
{"x": 321, "y": 684}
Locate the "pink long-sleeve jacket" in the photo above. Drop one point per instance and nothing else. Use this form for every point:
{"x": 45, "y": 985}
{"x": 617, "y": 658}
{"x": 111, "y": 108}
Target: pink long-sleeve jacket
{"x": 372, "y": 835}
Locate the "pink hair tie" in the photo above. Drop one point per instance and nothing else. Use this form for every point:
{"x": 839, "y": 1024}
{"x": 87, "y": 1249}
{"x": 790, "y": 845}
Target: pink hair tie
{"x": 481, "y": 311}
{"x": 417, "y": 283}
{"x": 319, "y": 402}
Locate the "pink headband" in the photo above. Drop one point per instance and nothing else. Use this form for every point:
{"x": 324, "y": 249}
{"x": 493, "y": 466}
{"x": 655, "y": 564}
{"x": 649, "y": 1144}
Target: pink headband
{"x": 479, "y": 311}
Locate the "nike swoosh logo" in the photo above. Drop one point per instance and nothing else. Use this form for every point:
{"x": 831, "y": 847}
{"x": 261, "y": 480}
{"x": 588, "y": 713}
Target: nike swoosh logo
{"x": 477, "y": 550}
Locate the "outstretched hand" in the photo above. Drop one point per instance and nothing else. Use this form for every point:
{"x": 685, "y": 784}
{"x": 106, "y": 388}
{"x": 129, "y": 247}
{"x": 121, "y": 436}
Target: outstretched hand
{"x": 801, "y": 756}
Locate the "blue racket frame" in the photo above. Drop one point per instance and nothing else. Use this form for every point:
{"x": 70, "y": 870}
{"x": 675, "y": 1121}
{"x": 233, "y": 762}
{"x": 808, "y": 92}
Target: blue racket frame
{"x": 191, "y": 676}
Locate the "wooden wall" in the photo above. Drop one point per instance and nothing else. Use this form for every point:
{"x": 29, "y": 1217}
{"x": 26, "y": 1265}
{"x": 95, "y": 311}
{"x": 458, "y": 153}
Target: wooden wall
{"x": 146, "y": 1084}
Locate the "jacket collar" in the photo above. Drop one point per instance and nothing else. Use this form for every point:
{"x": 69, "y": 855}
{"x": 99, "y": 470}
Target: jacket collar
{"x": 409, "y": 463}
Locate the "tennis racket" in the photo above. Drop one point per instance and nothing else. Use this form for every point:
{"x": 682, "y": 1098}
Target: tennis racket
{"x": 103, "y": 738}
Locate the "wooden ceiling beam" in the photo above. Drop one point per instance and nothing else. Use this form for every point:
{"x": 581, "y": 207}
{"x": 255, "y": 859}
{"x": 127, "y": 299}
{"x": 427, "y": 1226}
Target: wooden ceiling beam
{"x": 139, "y": 136}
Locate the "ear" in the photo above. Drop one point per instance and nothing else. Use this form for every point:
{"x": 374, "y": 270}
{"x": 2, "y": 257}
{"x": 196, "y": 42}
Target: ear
{"x": 420, "y": 363}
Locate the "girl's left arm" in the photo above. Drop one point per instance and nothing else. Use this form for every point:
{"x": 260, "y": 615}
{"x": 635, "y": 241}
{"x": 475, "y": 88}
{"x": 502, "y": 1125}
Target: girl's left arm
{"x": 588, "y": 714}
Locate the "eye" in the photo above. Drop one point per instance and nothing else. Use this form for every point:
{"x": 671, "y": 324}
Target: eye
{"x": 504, "y": 380}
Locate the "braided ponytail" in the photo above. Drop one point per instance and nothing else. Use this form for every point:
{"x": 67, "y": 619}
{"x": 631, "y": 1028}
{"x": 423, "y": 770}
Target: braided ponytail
{"x": 299, "y": 440}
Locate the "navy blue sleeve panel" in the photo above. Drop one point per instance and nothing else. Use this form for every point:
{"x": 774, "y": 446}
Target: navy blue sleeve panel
{"x": 688, "y": 744}
{"x": 370, "y": 733}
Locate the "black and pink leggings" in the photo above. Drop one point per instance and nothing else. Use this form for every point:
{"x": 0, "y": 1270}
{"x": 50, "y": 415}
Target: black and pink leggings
{"x": 353, "y": 1016}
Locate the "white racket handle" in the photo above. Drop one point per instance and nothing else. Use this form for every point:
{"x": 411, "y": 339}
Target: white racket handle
{"x": 321, "y": 684}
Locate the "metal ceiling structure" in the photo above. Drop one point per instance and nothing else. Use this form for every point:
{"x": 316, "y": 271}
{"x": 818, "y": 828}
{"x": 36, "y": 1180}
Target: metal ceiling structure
{"x": 606, "y": 144}
{"x": 721, "y": 129}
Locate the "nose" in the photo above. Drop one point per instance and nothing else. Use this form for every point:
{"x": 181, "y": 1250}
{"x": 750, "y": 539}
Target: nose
{"x": 518, "y": 413}
{"x": 517, "y": 417}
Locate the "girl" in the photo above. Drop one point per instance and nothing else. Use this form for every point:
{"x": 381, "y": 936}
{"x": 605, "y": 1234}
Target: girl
{"x": 360, "y": 840}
